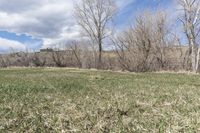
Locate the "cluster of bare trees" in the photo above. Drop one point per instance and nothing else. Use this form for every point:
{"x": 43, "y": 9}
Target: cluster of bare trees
{"x": 148, "y": 44}
{"x": 22, "y": 59}
{"x": 142, "y": 47}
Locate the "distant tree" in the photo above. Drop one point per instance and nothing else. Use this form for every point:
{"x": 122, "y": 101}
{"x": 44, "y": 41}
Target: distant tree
{"x": 38, "y": 59}
{"x": 24, "y": 58}
{"x": 58, "y": 58}
{"x": 94, "y": 16}
{"x": 76, "y": 52}
{"x": 4, "y": 61}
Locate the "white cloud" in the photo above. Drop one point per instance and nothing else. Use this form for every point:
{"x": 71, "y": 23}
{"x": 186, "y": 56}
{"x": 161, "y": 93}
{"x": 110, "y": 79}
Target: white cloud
{"x": 45, "y": 19}
{"x": 123, "y": 4}
{"x": 50, "y": 20}
{"x": 6, "y": 45}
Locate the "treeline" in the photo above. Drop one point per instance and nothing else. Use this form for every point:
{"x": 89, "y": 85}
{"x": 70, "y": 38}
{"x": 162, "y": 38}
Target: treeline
{"x": 149, "y": 44}
{"x": 79, "y": 57}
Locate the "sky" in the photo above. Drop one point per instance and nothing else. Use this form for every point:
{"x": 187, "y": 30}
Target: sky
{"x": 36, "y": 24}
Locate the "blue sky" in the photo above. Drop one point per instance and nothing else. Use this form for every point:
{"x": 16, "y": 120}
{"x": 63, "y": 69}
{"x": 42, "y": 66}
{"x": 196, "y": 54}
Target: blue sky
{"x": 33, "y": 24}
{"x": 133, "y": 9}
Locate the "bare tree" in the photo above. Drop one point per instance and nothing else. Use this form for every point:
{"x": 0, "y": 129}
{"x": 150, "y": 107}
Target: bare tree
{"x": 191, "y": 23}
{"x": 94, "y": 17}
{"x": 23, "y": 58}
{"x": 76, "y": 52}
{"x": 4, "y": 61}
{"x": 38, "y": 59}
{"x": 58, "y": 57}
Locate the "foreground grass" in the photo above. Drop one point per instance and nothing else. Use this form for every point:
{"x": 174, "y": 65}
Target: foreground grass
{"x": 70, "y": 100}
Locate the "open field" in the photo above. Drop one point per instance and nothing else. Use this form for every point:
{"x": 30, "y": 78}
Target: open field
{"x": 71, "y": 100}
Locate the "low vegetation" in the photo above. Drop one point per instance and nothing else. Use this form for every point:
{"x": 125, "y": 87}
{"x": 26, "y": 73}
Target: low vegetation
{"x": 72, "y": 100}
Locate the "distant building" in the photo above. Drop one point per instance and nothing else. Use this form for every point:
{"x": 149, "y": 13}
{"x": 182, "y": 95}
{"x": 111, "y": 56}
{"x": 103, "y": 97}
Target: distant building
{"x": 46, "y": 50}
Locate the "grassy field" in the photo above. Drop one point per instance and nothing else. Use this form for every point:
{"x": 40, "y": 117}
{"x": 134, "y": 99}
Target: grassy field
{"x": 70, "y": 100}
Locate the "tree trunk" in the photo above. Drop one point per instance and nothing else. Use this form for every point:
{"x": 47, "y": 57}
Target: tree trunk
{"x": 197, "y": 60}
{"x": 193, "y": 59}
{"x": 193, "y": 54}
{"x": 100, "y": 55}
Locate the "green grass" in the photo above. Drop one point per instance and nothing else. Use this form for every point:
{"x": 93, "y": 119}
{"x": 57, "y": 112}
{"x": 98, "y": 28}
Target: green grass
{"x": 71, "y": 100}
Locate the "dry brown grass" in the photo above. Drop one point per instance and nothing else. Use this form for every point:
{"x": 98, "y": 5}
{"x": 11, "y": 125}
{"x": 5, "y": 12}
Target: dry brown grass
{"x": 72, "y": 100}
